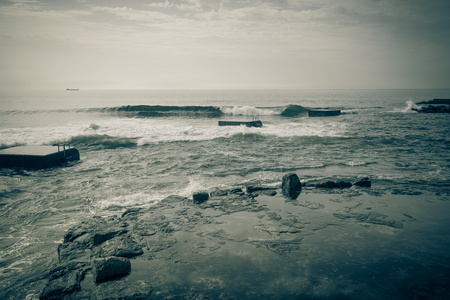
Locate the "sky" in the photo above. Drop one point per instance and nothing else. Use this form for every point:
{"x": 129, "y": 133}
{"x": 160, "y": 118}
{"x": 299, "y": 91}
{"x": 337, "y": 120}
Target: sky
{"x": 224, "y": 44}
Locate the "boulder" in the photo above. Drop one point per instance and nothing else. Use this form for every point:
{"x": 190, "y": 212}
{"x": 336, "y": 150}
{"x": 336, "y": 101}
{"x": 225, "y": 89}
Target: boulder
{"x": 200, "y": 197}
{"x": 291, "y": 186}
{"x": 108, "y": 268}
{"x": 294, "y": 111}
{"x": 334, "y": 185}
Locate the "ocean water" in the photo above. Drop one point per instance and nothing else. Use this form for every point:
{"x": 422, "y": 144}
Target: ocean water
{"x": 129, "y": 160}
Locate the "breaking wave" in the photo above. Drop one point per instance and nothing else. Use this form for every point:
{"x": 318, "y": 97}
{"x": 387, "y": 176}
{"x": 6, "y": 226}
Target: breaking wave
{"x": 98, "y": 142}
{"x": 192, "y": 111}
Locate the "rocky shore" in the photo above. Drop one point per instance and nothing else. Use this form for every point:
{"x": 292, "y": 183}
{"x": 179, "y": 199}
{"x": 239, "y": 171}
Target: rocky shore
{"x": 245, "y": 243}
{"x": 434, "y": 106}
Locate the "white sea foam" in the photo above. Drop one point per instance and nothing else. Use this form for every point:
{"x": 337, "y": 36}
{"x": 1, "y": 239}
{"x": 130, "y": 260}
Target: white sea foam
{"x": 151, "y": 131}
{"x": 410, "y": 106}
{"x": 133, "y": 200}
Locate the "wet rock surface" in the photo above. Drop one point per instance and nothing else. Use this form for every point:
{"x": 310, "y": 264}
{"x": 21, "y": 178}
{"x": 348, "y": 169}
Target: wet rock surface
{"x": 291, "y": 186}
{"x": 240, "y": 245}
{"x": 109, "y": 268}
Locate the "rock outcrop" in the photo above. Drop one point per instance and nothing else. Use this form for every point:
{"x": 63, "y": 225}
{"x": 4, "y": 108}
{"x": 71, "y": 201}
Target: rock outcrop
{"x": 434, "y": 106}
{"x": 101, "y": 247}
{"x": 297, "y": 110}
{"x": 108, "y": 268}
{"x": 294, "y": 111}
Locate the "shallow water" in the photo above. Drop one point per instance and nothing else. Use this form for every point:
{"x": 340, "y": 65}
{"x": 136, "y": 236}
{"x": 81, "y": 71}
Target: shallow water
{"x": 137, "y": 161}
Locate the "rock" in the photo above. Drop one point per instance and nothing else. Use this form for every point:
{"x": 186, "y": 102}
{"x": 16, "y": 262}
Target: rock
{"x": 252, "y": 189}
{"x": 63, "y": 281}
{"x": 291, "y": 186}
{"x": 107, "y": 231}
{"x": 436, "y": 101}
{"x": 365, "y": 182}
{"x": 433, "y": 109}
{"x": 334, "y": 185}
{"x": 95, "y": 231}
{"x": 269, "y": 192}
{"x": 323, "y": 113}
{"x": 122, "y": 246}
{"x": 73, "y": 252}
{"x": 108, "y": 268}
{"x": 294, "y": 111}
{"x": 200, "y": 197}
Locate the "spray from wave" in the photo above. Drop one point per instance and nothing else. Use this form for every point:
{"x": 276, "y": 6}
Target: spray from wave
{"x": 411, "y": 107}
{"x": 249, "y": 111}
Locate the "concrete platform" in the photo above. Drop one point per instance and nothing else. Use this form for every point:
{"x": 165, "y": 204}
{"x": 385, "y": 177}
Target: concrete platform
{"x": 323, "y": 113}
{"x": 255, "y": 123}
{"x": 36, "y": 157}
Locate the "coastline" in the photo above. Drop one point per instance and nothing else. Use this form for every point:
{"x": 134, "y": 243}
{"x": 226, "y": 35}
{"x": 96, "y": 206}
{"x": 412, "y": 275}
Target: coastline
{"x": 328, "y": 243}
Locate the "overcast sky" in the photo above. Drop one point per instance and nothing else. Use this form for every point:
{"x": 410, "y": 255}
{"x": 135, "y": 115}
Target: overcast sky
{"x": 224, "y": 44}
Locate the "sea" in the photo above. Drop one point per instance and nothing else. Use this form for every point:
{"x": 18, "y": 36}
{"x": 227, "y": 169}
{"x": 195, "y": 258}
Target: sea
{"x": 131, "y": 160}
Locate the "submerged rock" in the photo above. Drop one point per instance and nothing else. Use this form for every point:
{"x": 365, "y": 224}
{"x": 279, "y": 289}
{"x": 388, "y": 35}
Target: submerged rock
{"x": 123, "y": 290}
{"x": 251, "y": 189}
{"x": 105, "y": 269}
{"x": 334, "y": 185}
{"x": 365, "y": 182}
{"x": 291, "y": 186}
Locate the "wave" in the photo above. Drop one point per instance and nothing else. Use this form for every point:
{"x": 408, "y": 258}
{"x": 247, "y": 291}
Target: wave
{"x": 167, "y": 111}
{"x": 216, "y": 112}
{"x": 411, "y": 107}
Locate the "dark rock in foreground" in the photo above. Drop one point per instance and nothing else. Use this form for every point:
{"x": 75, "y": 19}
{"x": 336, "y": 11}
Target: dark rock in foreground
{"x": 291, "y": 186}
{"x": 101, "y": 247}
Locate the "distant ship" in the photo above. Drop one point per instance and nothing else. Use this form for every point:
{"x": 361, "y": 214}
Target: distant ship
{"x": 72, "y": 89}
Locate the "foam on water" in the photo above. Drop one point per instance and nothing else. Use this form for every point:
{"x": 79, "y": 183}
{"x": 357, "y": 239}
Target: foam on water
{"x": 127, "y": 201}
